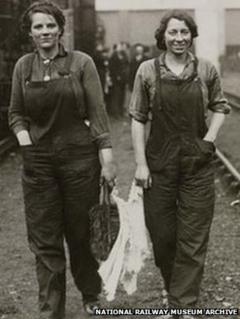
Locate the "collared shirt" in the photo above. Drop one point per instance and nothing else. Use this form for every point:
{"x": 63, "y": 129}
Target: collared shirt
{"x": 84, "y": 68}
{"x": 145, "y": 86}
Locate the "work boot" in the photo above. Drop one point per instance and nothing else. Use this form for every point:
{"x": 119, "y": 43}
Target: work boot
{"x": 91, "y": 307}
{"x": 164, "y": 295}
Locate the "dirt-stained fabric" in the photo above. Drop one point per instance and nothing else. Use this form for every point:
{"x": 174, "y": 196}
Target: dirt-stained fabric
{"x": 179, "y": 205}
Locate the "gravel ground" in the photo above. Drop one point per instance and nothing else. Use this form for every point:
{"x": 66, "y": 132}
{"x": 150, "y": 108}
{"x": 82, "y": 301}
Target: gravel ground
{"x": 18, "y": 287}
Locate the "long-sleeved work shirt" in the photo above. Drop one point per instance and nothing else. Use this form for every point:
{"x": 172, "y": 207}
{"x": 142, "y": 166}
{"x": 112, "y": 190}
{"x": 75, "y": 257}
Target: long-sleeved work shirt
{"x": 91, "y": 104}
{"x": 145, "y": 86}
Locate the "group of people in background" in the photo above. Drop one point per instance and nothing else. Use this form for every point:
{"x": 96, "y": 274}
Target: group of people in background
{"x": 117, "y": 70}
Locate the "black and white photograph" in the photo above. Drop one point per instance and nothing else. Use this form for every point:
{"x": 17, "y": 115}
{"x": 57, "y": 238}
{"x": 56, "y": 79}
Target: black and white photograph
{"x": 119, "y": 159}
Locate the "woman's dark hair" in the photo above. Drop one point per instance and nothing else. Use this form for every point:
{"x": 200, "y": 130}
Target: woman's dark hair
{"x": 174, "y": 14}
{"x": 46, "y": 7}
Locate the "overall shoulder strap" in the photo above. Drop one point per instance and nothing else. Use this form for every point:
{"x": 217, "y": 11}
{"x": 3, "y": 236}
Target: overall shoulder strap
{"x": 202, "y": 70}
{"x": 157, "y": 68}
{"x": 67, "y": 65}
{"x": 157, "y": 100}
{"x": 28, "y": 66}
{"x": 196, "y": 62}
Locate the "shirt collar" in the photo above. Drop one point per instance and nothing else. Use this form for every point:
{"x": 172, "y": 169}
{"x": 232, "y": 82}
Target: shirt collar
{"x": 187, "y": 72}
{"x": 61, "y": 51}
{"x": 190, "y": 58}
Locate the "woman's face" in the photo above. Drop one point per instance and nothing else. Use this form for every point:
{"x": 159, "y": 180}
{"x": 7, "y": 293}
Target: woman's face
{"x": 45, "y": 31}
{"x": 177, "y": 37}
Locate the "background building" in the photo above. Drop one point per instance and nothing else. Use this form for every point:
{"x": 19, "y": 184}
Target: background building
{"x": 135, "y": 21}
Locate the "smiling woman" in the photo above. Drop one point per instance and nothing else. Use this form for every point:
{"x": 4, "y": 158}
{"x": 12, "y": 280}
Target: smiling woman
{"x": 180, "y": 16}
{"x": 177, "y": 36}
{"x": 175, "y": 165}
{"x": 53, "y": 92}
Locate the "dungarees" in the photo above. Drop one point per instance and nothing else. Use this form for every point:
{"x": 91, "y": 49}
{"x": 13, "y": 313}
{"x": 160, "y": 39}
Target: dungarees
{"x": 179, "y": 205}
{"x": 60, "y": 179}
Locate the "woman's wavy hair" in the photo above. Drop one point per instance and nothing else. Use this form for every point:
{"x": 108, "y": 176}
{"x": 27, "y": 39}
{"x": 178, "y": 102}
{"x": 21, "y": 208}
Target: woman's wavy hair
{"x": 46, "y": 7}
{"x": 174, "y": 14}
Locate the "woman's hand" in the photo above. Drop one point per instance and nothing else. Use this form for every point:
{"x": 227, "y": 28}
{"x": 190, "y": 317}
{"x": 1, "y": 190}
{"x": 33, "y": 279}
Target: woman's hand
{"x": 109, "y": 173}
{"x": 215, "y": 124}
{"x": 143, "y": 177}
{"x": 24, "y": 138}
{"x": 108, "y": 166}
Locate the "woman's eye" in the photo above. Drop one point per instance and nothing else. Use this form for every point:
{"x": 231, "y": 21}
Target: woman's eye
{"x": 37, "y": 26}
{"x": 40, "y": 26}
{"x": 51, "y": 25}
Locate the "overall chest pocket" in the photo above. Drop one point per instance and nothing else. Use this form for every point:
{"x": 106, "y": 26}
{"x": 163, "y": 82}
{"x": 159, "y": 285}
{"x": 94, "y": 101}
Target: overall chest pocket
{"x": 41, "y": 99}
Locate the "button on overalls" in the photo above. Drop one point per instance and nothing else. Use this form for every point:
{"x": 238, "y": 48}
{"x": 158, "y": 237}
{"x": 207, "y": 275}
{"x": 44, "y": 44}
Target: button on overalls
{"x": 179, "y": 205}
{"x": 61, "y": 172}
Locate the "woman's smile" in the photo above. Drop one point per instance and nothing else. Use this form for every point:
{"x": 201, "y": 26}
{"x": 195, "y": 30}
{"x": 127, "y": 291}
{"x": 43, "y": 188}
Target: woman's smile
{"x": 177, "y": 37}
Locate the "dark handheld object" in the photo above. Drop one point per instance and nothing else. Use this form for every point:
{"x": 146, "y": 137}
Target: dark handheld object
{"x": 104, "y": 225}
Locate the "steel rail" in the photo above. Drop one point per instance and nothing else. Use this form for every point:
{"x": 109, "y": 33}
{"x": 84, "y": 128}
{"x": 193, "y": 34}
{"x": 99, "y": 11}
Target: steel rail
{"x": 232, "y": 170}
{"x": 7, "y": 144}
{"x": 234, "y": 100}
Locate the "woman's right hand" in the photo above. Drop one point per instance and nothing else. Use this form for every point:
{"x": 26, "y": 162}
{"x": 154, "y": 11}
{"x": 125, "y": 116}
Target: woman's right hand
{"x": 143, "y": 177}
{"x": 24, "y": 138}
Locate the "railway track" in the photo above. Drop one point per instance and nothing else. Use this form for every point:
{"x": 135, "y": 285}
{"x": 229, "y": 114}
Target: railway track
{"x": 7, "y": 140}
{"x": 6, "y": 144}
{"x": 228, "y": 172}
{"x": 225, "y": 167}
{"x": 233, "y": 100}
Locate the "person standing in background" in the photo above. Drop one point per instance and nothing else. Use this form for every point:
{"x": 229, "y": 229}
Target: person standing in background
{"x": 101, "y": 59}
{"x": 118, "y": 66}
{"x": 137, "y": 59}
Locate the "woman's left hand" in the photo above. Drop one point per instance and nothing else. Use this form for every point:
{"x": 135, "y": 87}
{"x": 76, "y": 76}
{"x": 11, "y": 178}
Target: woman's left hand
{"x": 109, "y": 173}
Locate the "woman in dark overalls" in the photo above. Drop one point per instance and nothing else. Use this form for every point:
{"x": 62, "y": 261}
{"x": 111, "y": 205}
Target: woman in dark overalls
{"x": 175, "y": 164}
{"x": 58, "y": 115}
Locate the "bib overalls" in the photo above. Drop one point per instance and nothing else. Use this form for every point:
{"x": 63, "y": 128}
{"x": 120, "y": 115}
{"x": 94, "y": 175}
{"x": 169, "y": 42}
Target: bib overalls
{"x": 61, "y": 172}
{"x": 179, "y": 205}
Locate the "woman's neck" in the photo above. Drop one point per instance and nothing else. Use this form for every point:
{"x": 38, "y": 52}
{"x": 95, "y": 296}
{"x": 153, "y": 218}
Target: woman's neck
{"x": 174, "y": 59}
{"x": 50, "y": 53}
{"x": 176, "y": 63}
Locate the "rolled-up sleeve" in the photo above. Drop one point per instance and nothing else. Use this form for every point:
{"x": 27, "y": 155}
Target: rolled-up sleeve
{"x": 217, "y": 102}
{"x": 16, "y": 114}
{"x": 140, "y": 105}
{"x": 96, "y": 111}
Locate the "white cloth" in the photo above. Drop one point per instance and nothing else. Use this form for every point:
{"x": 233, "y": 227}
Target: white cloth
{"x": 130, "y": 250}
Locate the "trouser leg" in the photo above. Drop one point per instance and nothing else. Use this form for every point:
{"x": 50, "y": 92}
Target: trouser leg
{"x": 195, "y": 213}
{"x": 44, "y": 221}
{"x": 81, "y": 192}
{"x": 160, "y": 216}
{"x": 51, "y": 291}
